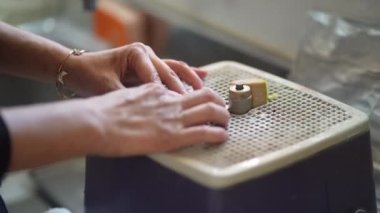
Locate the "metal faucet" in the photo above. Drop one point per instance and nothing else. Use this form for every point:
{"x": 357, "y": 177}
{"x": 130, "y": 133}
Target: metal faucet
{"x": 89, "y": 5}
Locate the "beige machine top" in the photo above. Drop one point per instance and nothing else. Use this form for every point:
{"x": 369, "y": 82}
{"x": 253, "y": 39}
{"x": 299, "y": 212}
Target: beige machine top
{"x": 296, "y": 124}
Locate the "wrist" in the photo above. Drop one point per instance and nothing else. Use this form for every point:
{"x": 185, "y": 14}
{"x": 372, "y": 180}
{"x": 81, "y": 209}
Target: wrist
{"x": 94, "y": 128}
{"x": 91, "y": 74}
{"x": 39, "y": 138}
{"x": 66, "y": 86}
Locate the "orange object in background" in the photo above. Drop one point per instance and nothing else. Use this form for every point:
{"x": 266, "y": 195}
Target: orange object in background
{"x": 118, "y": 24}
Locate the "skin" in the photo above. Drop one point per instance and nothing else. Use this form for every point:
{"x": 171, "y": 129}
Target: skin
{"x": 26, "y": 55}
{"x": 136, "y": 103}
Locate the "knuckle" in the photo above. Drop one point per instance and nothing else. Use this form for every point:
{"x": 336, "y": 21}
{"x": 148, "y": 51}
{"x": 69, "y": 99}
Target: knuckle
{"x": 136, "y": 53}
{"x": 167, "y": 102}
{"x": 165, "y": 133}
{"x": 138, "y": 48}
{"x": 153, "y": 86}
{"x": 154, "y": 95}
{"x": 202, "y": 132}
{"x": 149, "y": 48}
{"x": 224, "y": 111}
{"x": 211, "y": 109}
{"x": 208, "y": 94}
{"x": 149, "y": 92}
{"x": 139, "y": 45}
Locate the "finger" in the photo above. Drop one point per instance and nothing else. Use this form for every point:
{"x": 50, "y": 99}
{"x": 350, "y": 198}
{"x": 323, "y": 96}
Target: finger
{"x": 200, "y": 72}
{"x": 132, "y": 80}
{"x": 143, "y": 92}
{"x": 206, "y": 113}
{"x": 185, "y": 73}
{"x": 152, "y": 88}
{"x": 116, "y": 85}
{"x": 201, "y": 134}
{"x": 167, "y": 75}
{"x": 173, "y": 94}
{"x": 201, "y": 96}
{"x": 139, "y": 60}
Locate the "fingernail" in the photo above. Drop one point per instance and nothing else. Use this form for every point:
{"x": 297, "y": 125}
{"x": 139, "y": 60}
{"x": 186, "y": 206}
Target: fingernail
{"x": 225, "y": 135}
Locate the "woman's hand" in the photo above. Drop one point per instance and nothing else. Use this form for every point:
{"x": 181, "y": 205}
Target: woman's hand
{"x": 130, "y": 65}
{"x": 150, "y": 118}
{"x": 140, "y": 120}
{"x": 93, "y": 73}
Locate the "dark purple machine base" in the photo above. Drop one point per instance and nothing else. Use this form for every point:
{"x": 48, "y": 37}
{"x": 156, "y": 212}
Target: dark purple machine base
{"x": 336, "y": 180}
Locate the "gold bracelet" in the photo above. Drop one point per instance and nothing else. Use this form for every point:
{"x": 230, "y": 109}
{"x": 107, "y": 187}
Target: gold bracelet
{"x": 63, "y": 91}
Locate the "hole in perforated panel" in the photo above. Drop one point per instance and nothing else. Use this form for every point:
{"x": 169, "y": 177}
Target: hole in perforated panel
{"x": 292, "y": 117}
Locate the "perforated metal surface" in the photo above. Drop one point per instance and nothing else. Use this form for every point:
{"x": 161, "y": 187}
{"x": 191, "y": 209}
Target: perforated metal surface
{"x": 292, "y": 117}
{"x": 296, "y": 124}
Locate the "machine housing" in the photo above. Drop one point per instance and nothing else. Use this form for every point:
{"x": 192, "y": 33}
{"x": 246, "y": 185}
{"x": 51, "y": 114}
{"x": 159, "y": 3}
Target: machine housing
{"x": 301, "y": 152}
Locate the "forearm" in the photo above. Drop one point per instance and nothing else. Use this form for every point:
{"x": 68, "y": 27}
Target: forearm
{"x": 27, "y": 55}
{"x": 48, "y": 133}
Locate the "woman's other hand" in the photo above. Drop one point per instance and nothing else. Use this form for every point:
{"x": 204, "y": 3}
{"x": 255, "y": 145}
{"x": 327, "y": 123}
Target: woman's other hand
{"x": 127, "y": 66}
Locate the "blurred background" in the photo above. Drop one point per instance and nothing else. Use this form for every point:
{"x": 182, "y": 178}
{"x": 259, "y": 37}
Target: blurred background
{"x": 272, "y": 35}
